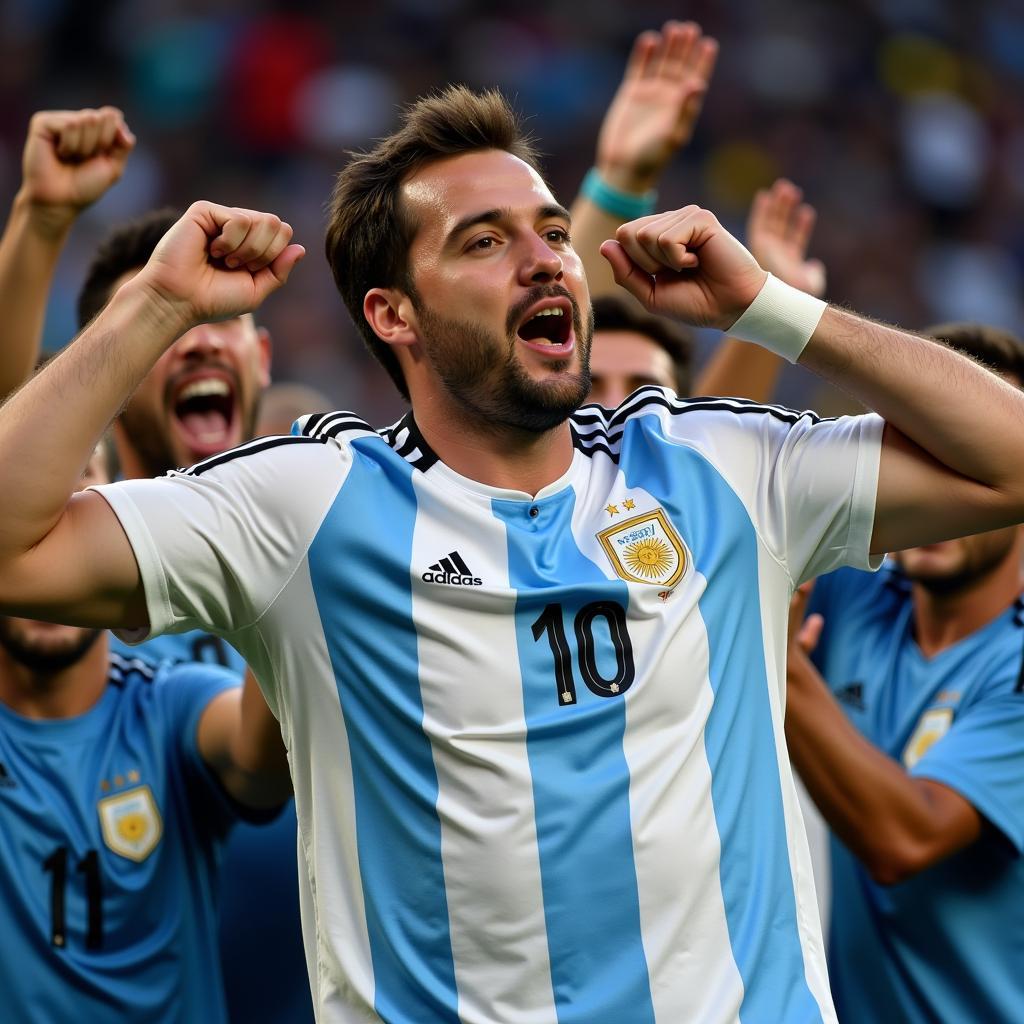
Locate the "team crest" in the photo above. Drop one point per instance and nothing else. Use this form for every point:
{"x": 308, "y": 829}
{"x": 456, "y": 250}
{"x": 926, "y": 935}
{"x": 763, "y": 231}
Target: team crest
{"x": 934, "y": 724}
{"x": 131, "y": 823}
{"x": 645, "y": 549}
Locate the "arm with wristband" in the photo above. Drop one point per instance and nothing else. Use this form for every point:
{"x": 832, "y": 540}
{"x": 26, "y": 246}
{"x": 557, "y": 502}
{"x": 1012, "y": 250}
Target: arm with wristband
{"x": 778, "y": 231}
{"x": 952, "y": 460}
{"x": 652, "y": 116}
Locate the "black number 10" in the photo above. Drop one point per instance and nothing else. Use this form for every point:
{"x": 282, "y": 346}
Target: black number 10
{"x": 551, "y": 622}
{"x": 89, "y": 866}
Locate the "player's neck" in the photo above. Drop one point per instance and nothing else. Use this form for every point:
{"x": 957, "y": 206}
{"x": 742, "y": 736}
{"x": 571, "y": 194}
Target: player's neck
{"x": 943, "y": 618}
{"x": 62, "y": 694}
{"x": 514, "y": 459}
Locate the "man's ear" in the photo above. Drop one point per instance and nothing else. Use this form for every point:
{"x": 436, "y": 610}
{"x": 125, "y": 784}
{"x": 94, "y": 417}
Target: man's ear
{"x": 390, "y": 314}
{"x": 264, "y": 355}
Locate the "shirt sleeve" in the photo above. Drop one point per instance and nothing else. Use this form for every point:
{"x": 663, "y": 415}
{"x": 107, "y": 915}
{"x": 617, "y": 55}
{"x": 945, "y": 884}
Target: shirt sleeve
{"x": 216, "y": 543}
{"x": 982, "y": 758}
{"x": 809, "y": 484}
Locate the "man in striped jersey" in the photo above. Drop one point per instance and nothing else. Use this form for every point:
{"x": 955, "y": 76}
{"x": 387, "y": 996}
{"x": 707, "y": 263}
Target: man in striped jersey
{"x": 119, "y": 784}
{"x": 560, "y": 793}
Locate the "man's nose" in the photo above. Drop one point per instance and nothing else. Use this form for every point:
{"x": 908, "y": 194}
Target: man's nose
{"x": 201, "y": 340}
{"x": 541, "y": 264}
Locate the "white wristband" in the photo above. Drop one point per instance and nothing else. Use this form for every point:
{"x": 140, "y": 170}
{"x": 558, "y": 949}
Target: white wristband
{"x": 781, "y": 319}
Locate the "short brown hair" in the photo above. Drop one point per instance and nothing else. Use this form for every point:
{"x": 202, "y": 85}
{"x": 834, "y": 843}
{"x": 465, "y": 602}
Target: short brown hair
{"x": 127, "y": 247}
{"x": 368, "y": 234}
{"x": 997, "y": 349}
{"x": 612, "y": 313}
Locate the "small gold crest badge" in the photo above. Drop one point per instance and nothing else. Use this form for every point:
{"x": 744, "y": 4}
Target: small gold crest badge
{"x": 645, "y": 549}
{"x": 131, "y": 823}
{"x": 933, "y": 725}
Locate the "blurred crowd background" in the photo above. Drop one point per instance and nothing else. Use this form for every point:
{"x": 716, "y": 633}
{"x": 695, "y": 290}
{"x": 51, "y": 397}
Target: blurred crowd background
{"x": 903, "y": 121}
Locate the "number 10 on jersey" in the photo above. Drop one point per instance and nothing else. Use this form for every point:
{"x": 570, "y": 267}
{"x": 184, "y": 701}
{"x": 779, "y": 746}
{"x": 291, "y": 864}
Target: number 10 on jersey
{"x": 552, "y": 622}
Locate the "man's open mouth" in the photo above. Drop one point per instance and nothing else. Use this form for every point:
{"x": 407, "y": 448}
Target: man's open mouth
{"x": 205, "y": 410}
{"x": 551, "y": 325}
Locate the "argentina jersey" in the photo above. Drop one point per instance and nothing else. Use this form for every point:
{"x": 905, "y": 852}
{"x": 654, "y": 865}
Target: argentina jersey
{"x": 536, "y": 740}
{"x": 111, "y": 829}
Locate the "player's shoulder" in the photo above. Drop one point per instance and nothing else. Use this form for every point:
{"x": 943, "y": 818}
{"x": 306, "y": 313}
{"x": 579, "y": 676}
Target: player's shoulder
{"x": 672, "y": 420}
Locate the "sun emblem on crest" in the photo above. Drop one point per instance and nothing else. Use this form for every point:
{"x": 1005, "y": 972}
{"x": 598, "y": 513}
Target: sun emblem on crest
{"x": 648, "y": 558}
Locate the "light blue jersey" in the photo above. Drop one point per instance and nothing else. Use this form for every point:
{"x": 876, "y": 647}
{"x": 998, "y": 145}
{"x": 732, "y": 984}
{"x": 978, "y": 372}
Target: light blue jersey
{"x": 536, "y": 740}
{"x": 948, "y": 944}
{"x": 261, "y": 955}
{"x": 111, "y": 828}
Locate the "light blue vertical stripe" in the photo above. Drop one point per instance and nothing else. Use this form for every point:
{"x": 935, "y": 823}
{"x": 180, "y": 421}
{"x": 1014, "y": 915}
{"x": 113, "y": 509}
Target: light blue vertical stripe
{"x": 359, "y": 565}
{"x": 757, "y": 883}
{"x": 580, "y": 779}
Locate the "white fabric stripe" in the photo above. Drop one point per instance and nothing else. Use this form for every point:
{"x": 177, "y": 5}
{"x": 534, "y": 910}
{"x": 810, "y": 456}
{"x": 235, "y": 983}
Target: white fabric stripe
{"x": 685, "y": 932}
{"x": 473, "y": 713}
{"x": 334, "y": 928}
{"x": 774, "y": 586}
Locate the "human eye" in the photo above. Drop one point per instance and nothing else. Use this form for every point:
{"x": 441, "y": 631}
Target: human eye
{"x": 483, "y": 243}
{"x": 556, "y": 236}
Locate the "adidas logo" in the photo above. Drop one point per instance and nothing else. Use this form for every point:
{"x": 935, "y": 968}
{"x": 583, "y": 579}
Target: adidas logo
{"x": 453, "y": 571}
{"x": 852, "y": 694}
{"x": 6, "y": 782}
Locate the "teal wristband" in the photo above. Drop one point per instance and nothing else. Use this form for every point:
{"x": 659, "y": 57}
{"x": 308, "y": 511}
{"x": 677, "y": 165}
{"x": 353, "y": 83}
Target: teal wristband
{"x": 611, "y": 200}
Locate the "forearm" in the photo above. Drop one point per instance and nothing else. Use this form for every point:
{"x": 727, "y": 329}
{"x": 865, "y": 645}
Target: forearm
{"x": 590, "y": 227}
{"x": 964, "y": 416}
{"x": 256, "y": 773}
{"x": 29, "y": 250}
{"x": 884, "y": 816}
{"x": 739, "y": 369}
{"x": 49, "y": 428}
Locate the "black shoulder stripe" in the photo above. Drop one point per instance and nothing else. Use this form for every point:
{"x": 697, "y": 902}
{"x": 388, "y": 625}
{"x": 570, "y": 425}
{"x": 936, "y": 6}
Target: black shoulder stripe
{"x": 253, "y": 447}
{"x": 311, "y": 423}
{"x": 333, "y": 423}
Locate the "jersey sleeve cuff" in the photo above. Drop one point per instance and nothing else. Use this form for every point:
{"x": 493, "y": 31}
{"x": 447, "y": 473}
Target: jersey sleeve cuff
{"x": 865, "y": 495}
{"x": 151, "y": 571}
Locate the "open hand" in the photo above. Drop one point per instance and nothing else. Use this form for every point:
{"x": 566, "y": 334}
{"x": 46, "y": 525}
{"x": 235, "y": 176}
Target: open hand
{"x": 778, "y": 231}
{"x": 219, "y": 261}
{"x": 71, "y": 158}
{"x": 684, "y": 264}
{"x": 656, "y": 106}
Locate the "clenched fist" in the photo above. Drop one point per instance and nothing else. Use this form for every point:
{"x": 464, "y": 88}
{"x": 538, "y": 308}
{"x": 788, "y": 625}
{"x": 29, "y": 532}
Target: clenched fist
{"x": 684, "y": 264}
{"x": 71, "y": 158}
{"x": 219, "y": 261}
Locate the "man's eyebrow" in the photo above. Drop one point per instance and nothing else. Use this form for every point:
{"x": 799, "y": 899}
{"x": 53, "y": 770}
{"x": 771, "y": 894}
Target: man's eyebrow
{"x": 505, "y": 213}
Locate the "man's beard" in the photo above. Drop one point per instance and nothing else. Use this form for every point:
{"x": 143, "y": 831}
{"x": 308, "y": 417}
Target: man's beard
{"x": 48, "y": 655}
{"x": 482, "y": 374}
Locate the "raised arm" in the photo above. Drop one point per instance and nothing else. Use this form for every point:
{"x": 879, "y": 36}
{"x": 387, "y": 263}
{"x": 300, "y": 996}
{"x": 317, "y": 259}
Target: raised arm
{"x": 895, "y": 824}
{"x": 651, "y": 117}
{"x": 241, "y": 741}
{"x": 778, "y": 232}
{"x": 952, "y": 459}
{"x": 66, "y": 558}
{"x": 71, "y": 158}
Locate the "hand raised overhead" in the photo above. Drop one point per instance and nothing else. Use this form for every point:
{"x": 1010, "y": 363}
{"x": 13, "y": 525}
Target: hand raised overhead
{"x": 219, "y": 261}
{"x": 657, "y": 104}
{"x": 71, "y": 158}
{"x": 778, "y": 232}
{"x": 684, "y": 264}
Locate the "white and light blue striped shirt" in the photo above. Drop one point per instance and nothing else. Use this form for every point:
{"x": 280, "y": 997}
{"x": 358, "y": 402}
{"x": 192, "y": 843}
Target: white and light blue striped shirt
{"x": 536, "y": 741}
